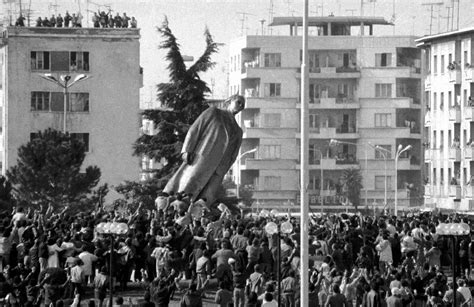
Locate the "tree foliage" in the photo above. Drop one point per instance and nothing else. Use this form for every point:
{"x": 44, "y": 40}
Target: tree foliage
{"x": 183, "y": 99}
{"x": 352, "y": 185}
{"x": 48, "y": 170}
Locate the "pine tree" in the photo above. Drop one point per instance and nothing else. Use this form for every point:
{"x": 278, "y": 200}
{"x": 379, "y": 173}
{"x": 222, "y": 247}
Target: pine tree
{"x": 48, "y": 170}
{"x": 352, "y": 185}
{"x": 183, "y": 99}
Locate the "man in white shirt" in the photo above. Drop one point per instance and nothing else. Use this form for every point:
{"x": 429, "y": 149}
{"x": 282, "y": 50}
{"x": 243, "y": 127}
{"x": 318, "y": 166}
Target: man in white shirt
{"x": 88, "y": 259}
{"x": 466, "y": 292}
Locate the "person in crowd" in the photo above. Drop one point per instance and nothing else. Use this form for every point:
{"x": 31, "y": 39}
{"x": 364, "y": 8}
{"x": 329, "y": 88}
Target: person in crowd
{"x": 133, "y": 23}
{"x": 20, "y": 21}
{"x": 192, "y": 297}
{"x": 125, "y": 20}
{"x": 59, "y": 21}
{"x": 67, "y": 19}
{"x": 223, "y": 295}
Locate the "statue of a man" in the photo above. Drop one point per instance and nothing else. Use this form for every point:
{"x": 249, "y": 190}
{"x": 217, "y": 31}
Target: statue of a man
{"x": 209, "y": 150}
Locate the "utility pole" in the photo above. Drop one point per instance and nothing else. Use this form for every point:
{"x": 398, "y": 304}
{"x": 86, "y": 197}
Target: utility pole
{"x": 449, "y": 16}
{"x": 270, "y": 16}
{"x": 459, "y": 4}
{"x": 432, "y": 4}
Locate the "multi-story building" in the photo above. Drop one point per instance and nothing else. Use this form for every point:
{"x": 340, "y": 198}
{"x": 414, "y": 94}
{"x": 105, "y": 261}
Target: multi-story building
{"x": 103, "y": 110}
{"x": 364, "y": 92}
{"x": 449, "y": 118}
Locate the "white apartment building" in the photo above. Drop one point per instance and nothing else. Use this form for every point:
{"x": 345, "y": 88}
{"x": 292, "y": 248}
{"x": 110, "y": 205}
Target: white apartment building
{"x": 449, "y": 119}
{"x": 364, "y": 92}
{"x": 103, "y": 110}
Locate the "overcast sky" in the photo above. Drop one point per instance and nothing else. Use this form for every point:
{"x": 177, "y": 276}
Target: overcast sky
{"x": 228, "y": 19}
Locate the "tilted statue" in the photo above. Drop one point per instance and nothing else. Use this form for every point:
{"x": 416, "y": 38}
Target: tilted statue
{"x": 209, "y": 150}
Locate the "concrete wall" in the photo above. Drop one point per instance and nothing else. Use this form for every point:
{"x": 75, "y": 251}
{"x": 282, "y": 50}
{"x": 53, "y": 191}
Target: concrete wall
{"x": 113, "y": 87}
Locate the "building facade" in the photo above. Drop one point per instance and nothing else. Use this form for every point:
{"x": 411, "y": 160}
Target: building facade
{"x": 449, "y": 119}
{"x": 365, "y": 91}
{"x": 102, "y": 110}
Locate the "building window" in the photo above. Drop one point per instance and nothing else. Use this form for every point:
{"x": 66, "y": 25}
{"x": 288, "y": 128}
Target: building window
{"x": 435, "y": 101}
{"x": 272, "y": 89}
{"x": 60, "y": 61}
{"x": 450, "y": 99}
{"x": 383, "y": 90}
{"x": 383, "y": 120}
{"x": 380, "y": 182}
{"x": 465, "y": 58}
{"x": 383, "y": 59}
{"x": 83, "y": 137}
{"x": 79, "y": 61}
{"x": 379, "y": 153}
{"x": 272, "y": 59}
{"x": 54, "y": 102}
{"x": 40, "y": 101}
{"x": 269, "y": 152}
{"x": 40, "y": 60}
{"x": 442, "y": 64}
{"x": 314, "y": 154}
{"x": 441, "y": 101}
{"x": 79, "y": 102}
{"x": 271, "y": 120}
{"x": 435, "y": 64}
{"x": 272, "y": 183}
{"x": 313, "y": 121}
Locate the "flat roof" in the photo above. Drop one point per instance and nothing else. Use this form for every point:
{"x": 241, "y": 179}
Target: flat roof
{"x": 314, "y": 21}
{"x": 68, "y": 32}
{"x": 429, "y": 38}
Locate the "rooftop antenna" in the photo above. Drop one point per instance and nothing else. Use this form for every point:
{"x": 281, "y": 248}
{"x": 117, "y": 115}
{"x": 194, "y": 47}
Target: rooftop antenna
{"x": 243, "y": 20}
{"x": 262, "y": 22}
{"x": 431, "y": 5}
{"x": 351, "y": 10}
{"x": 53, "y": 7}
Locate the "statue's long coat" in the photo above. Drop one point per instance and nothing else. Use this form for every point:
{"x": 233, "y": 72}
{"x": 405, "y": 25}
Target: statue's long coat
{"x": 215, "y": 139}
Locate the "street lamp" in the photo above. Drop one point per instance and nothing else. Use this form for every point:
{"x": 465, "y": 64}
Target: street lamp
{"x": 272, "y": 228}
{"x": 384, "y": 153}
{"x": 334, "y": 142}
{"x": 237, "y": 193}
{"x": 400, "y": 150}
{"x": 110, "y": 229}
{"x": 453, "y": 230}
{"x": 65, "y": 85}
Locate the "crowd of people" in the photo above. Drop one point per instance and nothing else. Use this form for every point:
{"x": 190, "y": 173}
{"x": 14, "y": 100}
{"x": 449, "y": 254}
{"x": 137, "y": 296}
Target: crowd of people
{"x": 53, "y": 258}
{"x": 99, "y": 20}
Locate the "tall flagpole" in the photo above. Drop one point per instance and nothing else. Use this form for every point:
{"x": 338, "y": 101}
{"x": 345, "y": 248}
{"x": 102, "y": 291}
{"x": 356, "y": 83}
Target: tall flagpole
{"x": 304, "y": 205}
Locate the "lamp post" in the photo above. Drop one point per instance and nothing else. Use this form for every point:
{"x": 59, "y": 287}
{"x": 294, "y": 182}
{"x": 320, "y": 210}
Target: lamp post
{"x": 453, "y": 230}
{"x": 63, "y": 82}
{"x": 384, "y": 153}
{"x": 110, "y": 229}
{"x": 275, "y": 228}
{"x": 400, "y": 150}
{"x": 334, "y": 142}
{"x": 237, "y": 193}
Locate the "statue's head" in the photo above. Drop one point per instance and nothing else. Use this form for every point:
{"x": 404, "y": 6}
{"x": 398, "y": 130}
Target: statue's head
{"x": 234, "y": 104}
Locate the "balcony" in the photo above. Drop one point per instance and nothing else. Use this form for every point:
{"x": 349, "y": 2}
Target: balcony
{"x": 331, "y": 72}
{"x": 428, "y": 155}
{"x": 428, "y": 191}
{"x": 455, "y": 153}
{"x": 455, "y": 191}
{"x": 469, "y": 73}
{"x": 468, "y": 191}
{"x": 455, "y": 114}
{"x": 455, "y": 76}
{"x": 334, "y": 103}
{"x": 409, "y": 164}
{"x": 251, "y": 93}
{"x": 259, "y": 133}
{"x": 469, "y": 113}
{"x": 270, "y": 103}
{"x": 428, "y": 119}
{"x": 469, "y": 152}
{"x": 428, "y": 83}
{"x": 327, "y": 163}
{"x": 268, "y": 164}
